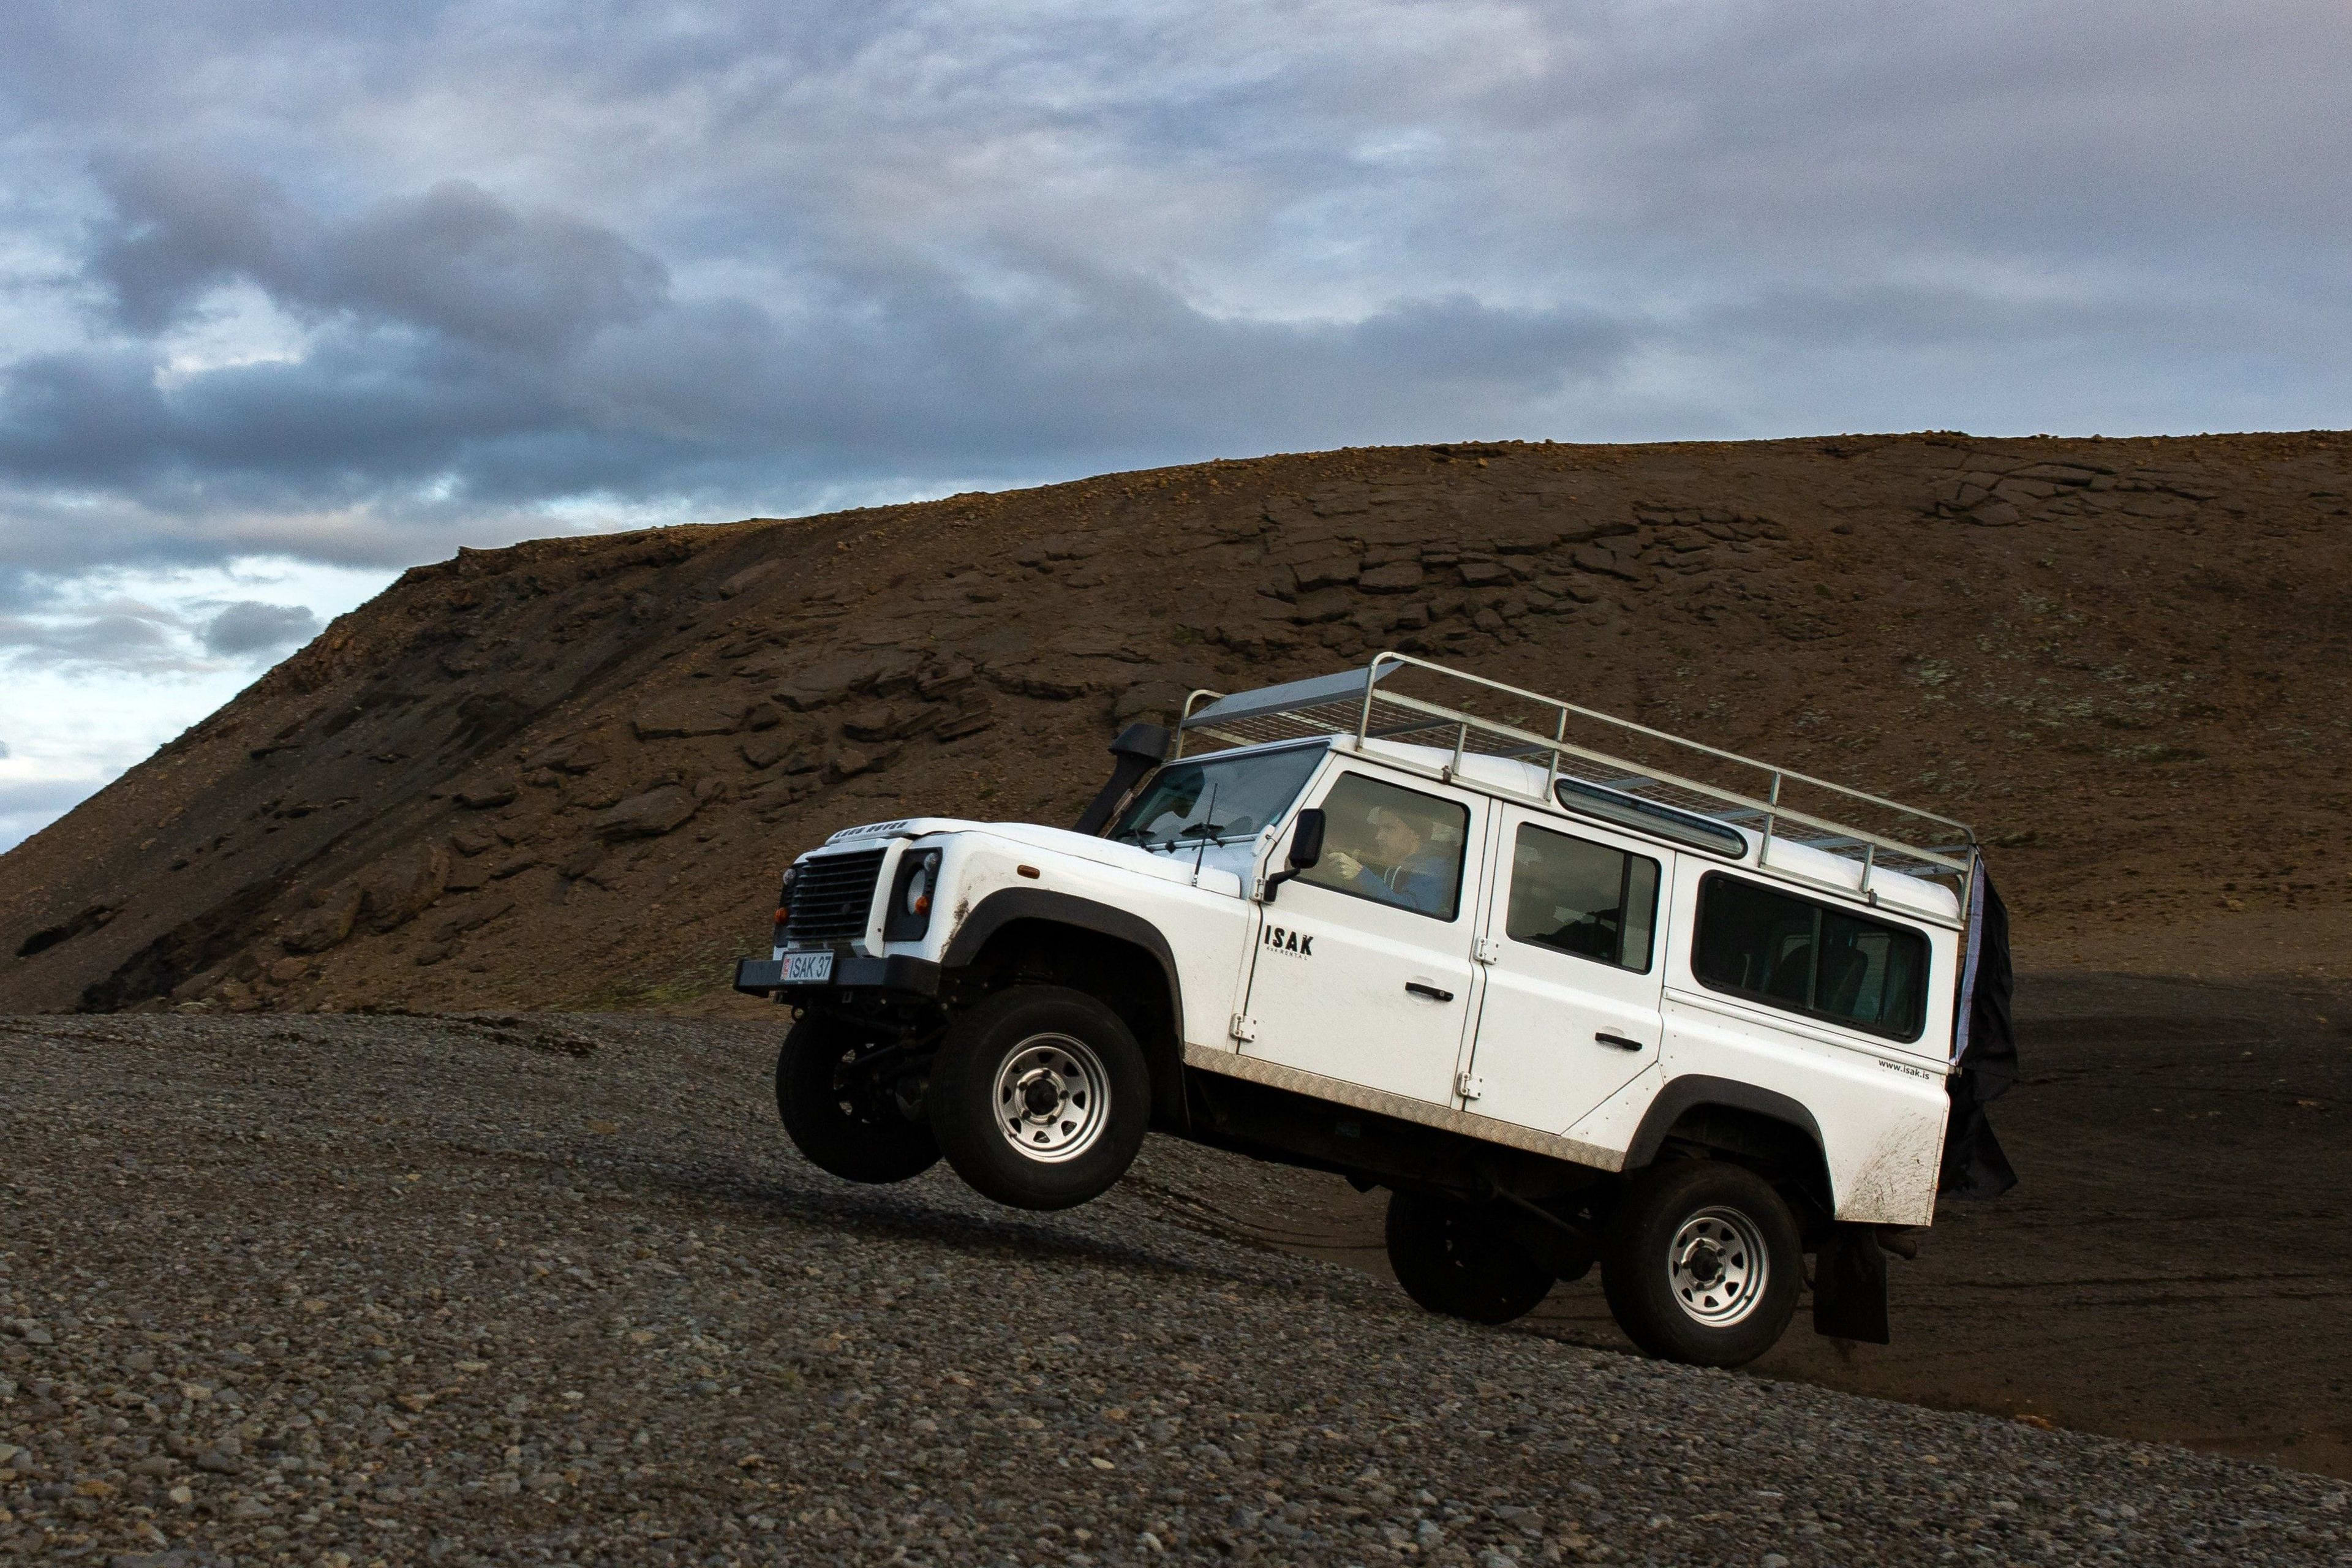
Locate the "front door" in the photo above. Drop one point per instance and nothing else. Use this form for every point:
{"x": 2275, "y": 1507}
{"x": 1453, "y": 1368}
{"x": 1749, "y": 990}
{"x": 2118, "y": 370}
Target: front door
{"x": 1363, "y": 969}
{"x": 1572, "y": 1006}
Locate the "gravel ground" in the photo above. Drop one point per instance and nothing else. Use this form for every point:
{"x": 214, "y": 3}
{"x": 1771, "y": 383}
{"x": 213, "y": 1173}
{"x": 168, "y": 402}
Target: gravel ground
{"x": 350, "y": 1290}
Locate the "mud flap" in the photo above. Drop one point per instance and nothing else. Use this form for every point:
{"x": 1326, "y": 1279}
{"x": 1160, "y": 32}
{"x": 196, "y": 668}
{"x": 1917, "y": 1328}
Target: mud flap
{"x": 1849, "y": 1286}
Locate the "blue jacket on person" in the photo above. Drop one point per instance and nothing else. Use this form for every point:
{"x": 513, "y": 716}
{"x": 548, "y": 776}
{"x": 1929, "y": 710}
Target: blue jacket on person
{"x": 1422, "y": 884}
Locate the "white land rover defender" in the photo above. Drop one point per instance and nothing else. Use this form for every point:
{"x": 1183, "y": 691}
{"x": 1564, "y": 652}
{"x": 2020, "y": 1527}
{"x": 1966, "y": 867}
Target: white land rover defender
{"x": 1567, "y": 1006}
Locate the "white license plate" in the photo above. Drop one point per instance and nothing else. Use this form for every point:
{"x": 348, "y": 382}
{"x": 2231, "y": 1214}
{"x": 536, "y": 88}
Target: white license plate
{"x": 807, "y": 968}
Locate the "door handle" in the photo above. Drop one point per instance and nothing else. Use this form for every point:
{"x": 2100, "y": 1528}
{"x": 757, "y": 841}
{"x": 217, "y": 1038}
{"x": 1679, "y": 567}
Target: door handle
{"x": 1432, "y": 991}
{"x": 1621, "y": 1042}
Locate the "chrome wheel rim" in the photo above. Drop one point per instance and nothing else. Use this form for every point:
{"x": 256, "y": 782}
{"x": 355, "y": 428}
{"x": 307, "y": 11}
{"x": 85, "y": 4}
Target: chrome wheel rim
{"x": 1718, "y": 1267}
{"x": 1052, "y": 1097}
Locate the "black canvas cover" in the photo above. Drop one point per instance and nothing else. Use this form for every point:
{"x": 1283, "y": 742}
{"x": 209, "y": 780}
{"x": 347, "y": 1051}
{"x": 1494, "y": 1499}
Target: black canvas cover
{"x": 1850, "y": 1287}
{"x": 1986, "y": 1051}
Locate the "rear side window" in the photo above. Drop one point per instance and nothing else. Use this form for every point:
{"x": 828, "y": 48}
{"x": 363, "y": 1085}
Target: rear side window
{"x": 1775, "y": 948}
{"x": 1578, "y": 897}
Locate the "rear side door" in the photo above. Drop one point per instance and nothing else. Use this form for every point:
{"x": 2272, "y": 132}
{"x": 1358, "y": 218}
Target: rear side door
{"x": 1363, "y": 969}
{"x": 1576, "y": 934}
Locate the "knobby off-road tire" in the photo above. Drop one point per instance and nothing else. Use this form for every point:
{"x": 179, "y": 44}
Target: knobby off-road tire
{"x": 1703, "y": 1263}
{"x": 1452, "y": 1258}
{"x": 846, "y": 1121}
{"x": 1040, "y": 1097}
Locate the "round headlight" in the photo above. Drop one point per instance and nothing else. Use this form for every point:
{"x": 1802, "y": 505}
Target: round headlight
{"x": 918, "y": 885}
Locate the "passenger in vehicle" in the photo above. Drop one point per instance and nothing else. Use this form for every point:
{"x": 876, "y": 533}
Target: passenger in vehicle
{"x": 1393, "y": 863}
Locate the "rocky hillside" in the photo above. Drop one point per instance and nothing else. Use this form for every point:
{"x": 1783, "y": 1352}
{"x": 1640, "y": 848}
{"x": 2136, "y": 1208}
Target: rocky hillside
{"x": 567, "y": 774}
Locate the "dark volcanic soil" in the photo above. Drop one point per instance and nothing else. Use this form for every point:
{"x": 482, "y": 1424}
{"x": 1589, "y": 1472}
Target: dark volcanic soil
{"x": 567, "y": 774}
{"x": 2174, "y": 1267}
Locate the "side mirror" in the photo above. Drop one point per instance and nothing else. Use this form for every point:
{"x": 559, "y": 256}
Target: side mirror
{"x": 1306, "y": 839}
{"x": 1305, "y": 850}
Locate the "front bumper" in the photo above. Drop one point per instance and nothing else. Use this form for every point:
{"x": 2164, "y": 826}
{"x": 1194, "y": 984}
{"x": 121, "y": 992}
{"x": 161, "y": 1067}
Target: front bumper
{"x": 765, "y": 976}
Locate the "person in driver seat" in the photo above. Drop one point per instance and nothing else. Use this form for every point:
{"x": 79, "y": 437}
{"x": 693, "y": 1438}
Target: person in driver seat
{"x": 1396, "y": 866}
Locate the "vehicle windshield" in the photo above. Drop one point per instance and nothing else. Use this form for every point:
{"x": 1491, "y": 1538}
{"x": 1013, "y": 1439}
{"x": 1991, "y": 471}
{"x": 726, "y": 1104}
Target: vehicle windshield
{"x": 1217, "y": 797}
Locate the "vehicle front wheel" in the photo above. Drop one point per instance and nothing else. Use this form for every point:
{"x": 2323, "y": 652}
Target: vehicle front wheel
{"x": 849, "y": 1118}
{"x": 1040, "y": 1097}
{"x": 1703, "y": 1263}
{"x": 1452, "y": 1257}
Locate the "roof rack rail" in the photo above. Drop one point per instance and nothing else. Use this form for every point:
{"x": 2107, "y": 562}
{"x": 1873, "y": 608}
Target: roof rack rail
{"x": 1367, "y": 704}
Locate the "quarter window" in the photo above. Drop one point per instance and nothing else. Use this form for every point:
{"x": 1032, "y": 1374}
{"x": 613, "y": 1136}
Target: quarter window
{"x": 1578, "y": 897}
{"x": 1787, "y": 952}
{"x": 1392, "y": 845}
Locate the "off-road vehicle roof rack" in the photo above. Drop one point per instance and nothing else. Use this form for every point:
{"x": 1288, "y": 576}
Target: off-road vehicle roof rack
{"x": 1775, "y": 802}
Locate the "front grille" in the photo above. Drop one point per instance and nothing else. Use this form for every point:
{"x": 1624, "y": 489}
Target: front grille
{"x": 831, "y": 896}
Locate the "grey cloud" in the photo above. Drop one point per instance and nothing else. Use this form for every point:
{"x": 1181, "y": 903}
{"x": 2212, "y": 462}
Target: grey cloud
{"x": 452, "y": 261}
{"x": 414, "y": 376}
{"x": 48, "y": 542}
{"x": 1115, "y": 367}
{"x": 181, "y": 226}
{"x": 250, "y": 627}
{"x": 91, "y": 416}
{"x": 456, "y": 260}
{"x": 1912, "y": 316}
{"x": 128, "y": 639}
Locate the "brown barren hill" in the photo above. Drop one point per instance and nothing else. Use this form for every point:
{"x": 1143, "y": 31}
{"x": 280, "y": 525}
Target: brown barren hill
{"x": 567, "y": 774}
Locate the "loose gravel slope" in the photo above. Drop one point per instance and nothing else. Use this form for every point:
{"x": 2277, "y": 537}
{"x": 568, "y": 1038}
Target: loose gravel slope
{"x": 328, "y": 1289}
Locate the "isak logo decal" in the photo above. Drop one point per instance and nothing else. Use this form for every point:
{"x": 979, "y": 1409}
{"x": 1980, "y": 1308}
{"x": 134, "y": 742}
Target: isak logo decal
{"x": 1282, "y": 941}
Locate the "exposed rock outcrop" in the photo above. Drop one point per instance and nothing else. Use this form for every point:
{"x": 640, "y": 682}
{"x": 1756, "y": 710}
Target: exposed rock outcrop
{"x": 569, "y": 772}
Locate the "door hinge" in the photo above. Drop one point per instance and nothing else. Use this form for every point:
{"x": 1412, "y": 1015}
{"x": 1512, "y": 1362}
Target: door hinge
{"x": 1486, "y": 949}
{"x": 1469, "y": 1086}
{"x": 1244, "y": 1028}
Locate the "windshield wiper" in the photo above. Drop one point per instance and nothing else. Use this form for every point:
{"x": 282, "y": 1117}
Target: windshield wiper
{"x": 1183, "y": 837}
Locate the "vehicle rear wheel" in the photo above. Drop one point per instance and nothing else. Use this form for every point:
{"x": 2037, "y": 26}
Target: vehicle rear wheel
{"x": 1452, "y": 1257}
{"x": 1040, "y": 1097}
{"x": 850, "y": 1120}
{"x": 1703, "y": 1263}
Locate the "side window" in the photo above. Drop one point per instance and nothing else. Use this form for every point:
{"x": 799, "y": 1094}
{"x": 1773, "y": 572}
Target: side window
{"x": 1393, "y": 847}
{"x": 1754, "y": 940}
{"x": 1582, "y": 898}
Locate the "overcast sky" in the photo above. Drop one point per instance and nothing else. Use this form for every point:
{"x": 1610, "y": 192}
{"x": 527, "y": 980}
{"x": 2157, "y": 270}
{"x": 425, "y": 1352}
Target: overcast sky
{"x": 293, "y": 295}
